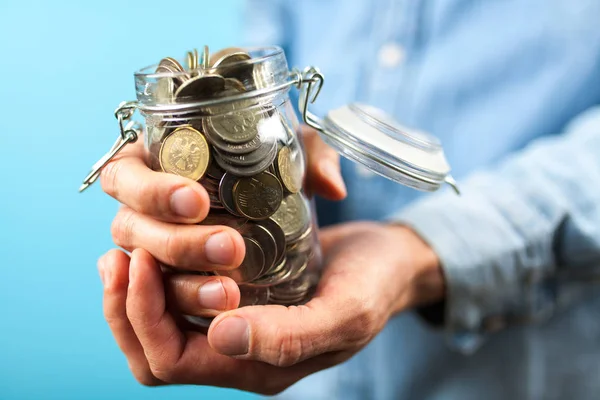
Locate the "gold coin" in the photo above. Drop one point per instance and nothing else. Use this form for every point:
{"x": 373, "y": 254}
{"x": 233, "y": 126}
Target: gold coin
{"x": 232, "y": 58}
{"x": 292, "y": 216}
{"x": 222, "y": 53}
{"x": 289, "y": 170}
{"x": 171, "y": 64}
{"x": 205, "y": 57}
{"x": 258, "y": 196}
{"x": 185, "y": 152}
{"x": 195, "y": 55}
{"x": 190, "y": 60}
{"x": 234, "y": 85}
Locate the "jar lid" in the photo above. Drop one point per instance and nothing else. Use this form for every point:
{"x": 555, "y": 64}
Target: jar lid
{"x": 371, "y": 137}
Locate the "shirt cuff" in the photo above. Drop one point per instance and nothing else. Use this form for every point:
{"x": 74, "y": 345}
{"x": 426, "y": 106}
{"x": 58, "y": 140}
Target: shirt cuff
{"x": 490, "y": 283}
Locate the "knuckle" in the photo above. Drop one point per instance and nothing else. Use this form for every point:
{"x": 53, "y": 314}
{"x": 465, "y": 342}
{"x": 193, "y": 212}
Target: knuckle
{"x": 122, "y": 227}
{"x": 109, "y": 177}
{"x": 146, "y": 378}
{"x": 147, "y": 192}
{"x": 290, "y": 346}
{"x": 165, "y": 365}
{"x": 110, "y": 259}
{"x": 114, "y": 318}
{"x": 364, "y": 322}
{"x": 174, "y": 248}
{"x": 147, "y": 320}
{"x": 164, "y": 373}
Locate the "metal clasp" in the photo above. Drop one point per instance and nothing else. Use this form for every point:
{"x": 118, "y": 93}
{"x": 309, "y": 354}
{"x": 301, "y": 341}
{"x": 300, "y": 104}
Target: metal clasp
{"x": 308, "y": 94}
{"x": 129, "y": 134}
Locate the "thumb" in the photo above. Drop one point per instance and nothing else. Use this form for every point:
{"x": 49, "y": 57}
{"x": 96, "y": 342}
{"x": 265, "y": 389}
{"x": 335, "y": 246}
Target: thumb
{"x": 323, "y": 175}
{"x": 284, "y": 336}
{"x": 281, "y": 336}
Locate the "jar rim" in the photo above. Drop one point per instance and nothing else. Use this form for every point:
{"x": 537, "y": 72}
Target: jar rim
{"x": 270, "y": 52}
{"x": 265, "y": 73}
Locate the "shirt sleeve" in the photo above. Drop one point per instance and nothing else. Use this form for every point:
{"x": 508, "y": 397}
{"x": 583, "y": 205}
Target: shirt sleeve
{"x": 265, "y": 23}
{"x": 519, "y": 233}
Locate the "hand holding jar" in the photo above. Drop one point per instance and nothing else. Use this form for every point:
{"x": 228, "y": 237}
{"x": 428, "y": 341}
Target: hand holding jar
{"x": 229, "y": 232}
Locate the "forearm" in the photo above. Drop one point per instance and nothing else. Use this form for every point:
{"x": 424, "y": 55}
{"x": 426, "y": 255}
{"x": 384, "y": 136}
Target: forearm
{"x": 514, "y": 229}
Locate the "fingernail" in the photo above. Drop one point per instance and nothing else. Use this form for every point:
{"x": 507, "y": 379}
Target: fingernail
{"x": 332, "y": 172}
{"x": 185, "y": 202}
{"x": 211, "y": 295}
{"x": 230, "y": 337}
{"x": 219, "y": 249}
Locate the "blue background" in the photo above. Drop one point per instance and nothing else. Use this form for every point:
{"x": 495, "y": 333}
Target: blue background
{"x": 64, "y": 67}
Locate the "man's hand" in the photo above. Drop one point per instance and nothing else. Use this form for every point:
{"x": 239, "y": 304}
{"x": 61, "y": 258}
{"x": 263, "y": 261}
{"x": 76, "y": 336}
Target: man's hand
{"x": 161, "y": 210}
{"x": 372, "y": 271}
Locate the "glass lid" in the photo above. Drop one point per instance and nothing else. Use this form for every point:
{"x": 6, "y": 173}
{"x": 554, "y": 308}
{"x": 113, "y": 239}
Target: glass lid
{"x": 373, "y": 138}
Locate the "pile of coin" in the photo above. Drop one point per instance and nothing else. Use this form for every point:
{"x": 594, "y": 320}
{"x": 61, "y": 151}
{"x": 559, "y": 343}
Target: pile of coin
{"x": 247, "y": 157}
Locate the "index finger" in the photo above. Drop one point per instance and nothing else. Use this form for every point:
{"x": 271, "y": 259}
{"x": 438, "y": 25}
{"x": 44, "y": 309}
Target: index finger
{"x": 167, "y": 197}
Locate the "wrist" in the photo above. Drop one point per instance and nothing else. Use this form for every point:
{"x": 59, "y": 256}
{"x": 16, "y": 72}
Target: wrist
{"x": 425, "y": 281}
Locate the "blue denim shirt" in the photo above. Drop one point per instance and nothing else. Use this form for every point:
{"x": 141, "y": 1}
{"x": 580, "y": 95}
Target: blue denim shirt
{"x": 510, "y": 88}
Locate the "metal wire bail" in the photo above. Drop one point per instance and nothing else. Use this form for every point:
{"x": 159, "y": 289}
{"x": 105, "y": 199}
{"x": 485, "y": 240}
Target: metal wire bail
{"x": 129, "y": 133}
{"x": 308, "y": 94}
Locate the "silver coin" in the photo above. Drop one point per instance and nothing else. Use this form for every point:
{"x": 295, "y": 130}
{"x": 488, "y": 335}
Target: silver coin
{"x": 210, "y": 184}
{"x": 200, "y": 322}
{"x": 304, "y": 242}
{"x": 277, "y": 233}
{"x": 224, "y": 219}
{"x": 236, "y": 127}
{"x": 251, "y": 267}
{"x": 212, "y": 188}
{"x": 214, "y": 201}
{"x": 252, "y": 158}
{"x": 289, "y": 301}
{"x": 213, "y": 170}
{"x": 265, "y": 239}
{"x": 232, "y": 148}
{"x": 292, "y": 290}
{"x": 165, "y": 88}
{"x": 200, "y": 87}
{"x": 278, "y": 267}
{"x": 297, "y": 264}
{"x": 274, "y": 271}
{"x": 249, "y": 230}
{"x": 292, "y": 216}
{"x": 280, "y": 276}
{"x": 249, "y": 170}
{"x": 226, "y": 192}
{"x": 253, "y": 296}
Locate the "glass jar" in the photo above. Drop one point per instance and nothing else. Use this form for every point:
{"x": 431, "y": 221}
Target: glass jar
{"x": 226, "y": 121}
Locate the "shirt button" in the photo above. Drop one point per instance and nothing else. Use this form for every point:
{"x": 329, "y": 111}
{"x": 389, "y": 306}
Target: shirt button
{"x": 391, "y": 55}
